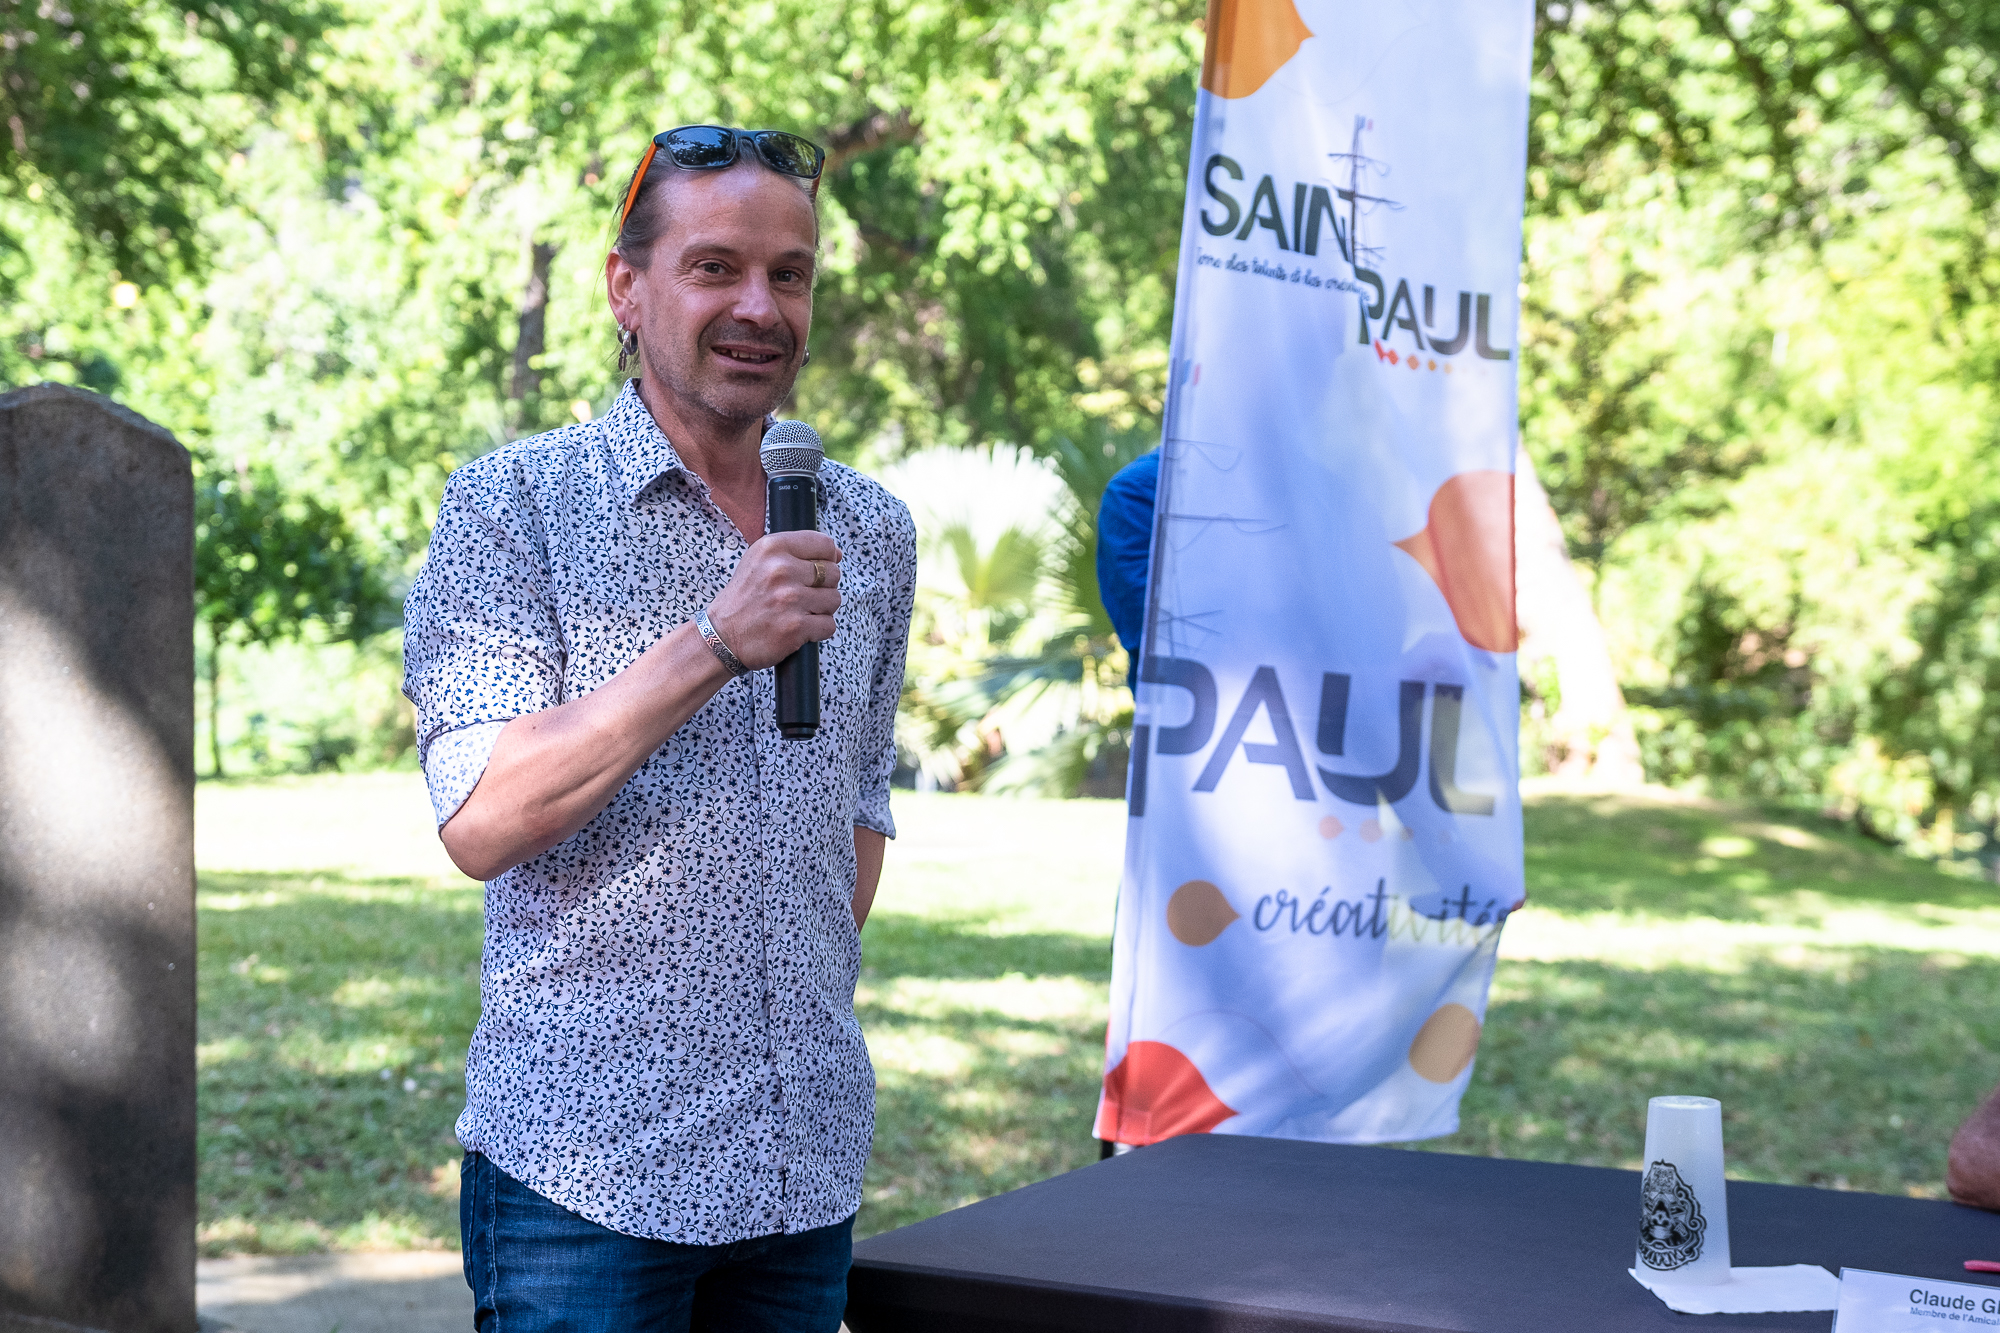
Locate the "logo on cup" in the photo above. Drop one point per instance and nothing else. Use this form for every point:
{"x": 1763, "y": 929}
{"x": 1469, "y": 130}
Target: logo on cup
{"x": 1670, "y": 1221}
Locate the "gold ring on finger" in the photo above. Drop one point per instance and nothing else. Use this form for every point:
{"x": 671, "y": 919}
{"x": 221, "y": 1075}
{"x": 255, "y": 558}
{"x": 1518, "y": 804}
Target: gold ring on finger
{"x": 819, "y": 575}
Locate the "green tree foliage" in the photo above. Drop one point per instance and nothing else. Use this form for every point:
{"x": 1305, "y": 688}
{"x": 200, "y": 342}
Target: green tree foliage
{"x": 348, "y": 248}
{"x": 1079, "y": 668}
{"x": 409, "y": 264}
{"x": 1068, "y": 687}
{"x": 267, "y": 566}
{"x": 1000, "y": 582}
{"x": 1620, "y": 440}
{"x": 407, "y": 261}
{"x": 118, "y": 114}
{"x": 1759, "y": 335}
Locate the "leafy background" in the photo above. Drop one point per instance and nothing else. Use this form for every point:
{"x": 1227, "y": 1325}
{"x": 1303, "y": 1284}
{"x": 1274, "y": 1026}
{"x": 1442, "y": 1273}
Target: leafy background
{"x": 340, "y": 249}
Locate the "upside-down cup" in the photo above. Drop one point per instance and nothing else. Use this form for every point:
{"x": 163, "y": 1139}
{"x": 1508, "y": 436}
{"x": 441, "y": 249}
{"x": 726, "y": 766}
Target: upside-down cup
{"x": 1683, "y": 1206}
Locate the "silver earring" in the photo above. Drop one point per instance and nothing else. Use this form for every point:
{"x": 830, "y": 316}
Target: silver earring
{"x": 808, "y": 361}
{"x": 628, "y": 346}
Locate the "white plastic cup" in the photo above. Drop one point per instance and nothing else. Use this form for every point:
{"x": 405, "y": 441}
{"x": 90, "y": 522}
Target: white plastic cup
{"x": 1683, "y": 1204}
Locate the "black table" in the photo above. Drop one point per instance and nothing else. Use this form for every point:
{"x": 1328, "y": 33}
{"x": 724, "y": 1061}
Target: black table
{"x": 1227, "y": 1234}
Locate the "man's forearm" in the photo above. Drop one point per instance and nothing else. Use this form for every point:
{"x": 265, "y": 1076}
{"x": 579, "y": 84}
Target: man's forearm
{"x": 551, "y": 772}
{"x": 869, "y": 847}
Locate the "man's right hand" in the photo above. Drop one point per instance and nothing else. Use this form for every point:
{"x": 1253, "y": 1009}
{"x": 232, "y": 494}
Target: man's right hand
{"x": 770, "y": 607}
{"x": 552, "y": 771}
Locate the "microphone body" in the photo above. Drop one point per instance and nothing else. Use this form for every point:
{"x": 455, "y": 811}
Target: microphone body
{"x": 791, "y": 454}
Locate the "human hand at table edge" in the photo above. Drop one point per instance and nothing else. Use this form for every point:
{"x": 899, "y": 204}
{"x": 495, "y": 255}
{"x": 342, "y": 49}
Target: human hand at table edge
{"x": 1972, "y": 1170}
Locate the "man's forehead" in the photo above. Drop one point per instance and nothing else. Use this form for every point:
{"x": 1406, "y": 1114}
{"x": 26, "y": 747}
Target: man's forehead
{"x": 744, "y": 206}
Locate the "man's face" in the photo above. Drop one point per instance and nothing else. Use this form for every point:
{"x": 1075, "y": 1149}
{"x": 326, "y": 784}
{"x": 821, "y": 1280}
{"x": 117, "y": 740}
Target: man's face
{"x": 724, "y": 307}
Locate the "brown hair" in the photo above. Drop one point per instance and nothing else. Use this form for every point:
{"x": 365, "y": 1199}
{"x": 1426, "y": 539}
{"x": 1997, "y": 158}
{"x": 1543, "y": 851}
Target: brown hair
{"x": 647, "y": 222}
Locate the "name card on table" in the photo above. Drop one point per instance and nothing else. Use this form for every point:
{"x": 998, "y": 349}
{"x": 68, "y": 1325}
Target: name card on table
{"x": 1892, "y": 1303}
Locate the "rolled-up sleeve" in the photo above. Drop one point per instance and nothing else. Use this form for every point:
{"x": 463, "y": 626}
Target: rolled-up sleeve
{"x": 481, "y": 643}
{"x": 886, "y": 690}
{"x": 454, "y": 763}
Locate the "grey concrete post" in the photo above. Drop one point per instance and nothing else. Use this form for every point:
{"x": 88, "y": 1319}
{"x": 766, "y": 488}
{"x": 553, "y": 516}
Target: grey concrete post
{"x": 97, "y": 999}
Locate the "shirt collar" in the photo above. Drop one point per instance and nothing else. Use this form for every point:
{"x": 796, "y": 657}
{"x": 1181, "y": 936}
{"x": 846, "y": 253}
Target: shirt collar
{"x": 639, "y": 449}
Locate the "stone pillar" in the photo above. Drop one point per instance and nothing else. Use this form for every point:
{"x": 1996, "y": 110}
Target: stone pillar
{"x": 97, "y": 999}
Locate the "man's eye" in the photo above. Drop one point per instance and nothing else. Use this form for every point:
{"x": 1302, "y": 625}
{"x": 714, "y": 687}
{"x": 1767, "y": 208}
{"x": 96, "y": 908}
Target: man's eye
{"x": 710, "y": 267}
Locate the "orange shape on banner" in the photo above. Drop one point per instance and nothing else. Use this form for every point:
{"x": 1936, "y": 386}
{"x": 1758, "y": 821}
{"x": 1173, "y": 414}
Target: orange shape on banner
{"x": 1198, "y": 912}
{"x": 1468, "y": 550}
{"x": 1156, "y": 1093}
{"x": 1445, "y": 1044}
{"x": 1248, "y": 40}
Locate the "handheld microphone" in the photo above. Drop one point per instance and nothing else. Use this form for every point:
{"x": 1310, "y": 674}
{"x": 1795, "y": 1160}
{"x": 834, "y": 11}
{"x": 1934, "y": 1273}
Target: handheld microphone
{"x": 791, "y": 454}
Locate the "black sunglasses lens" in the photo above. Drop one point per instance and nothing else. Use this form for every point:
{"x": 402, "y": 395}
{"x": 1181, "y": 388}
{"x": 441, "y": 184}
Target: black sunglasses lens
{"x": 788, "y": 153}
{"x": 699, "y": 146}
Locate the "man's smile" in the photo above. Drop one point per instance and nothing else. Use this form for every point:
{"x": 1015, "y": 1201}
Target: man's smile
{"x": 749, "y": 356}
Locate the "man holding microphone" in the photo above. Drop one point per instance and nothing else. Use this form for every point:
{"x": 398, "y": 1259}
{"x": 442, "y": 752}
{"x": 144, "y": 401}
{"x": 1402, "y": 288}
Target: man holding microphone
{"x": 669, "y": 1102}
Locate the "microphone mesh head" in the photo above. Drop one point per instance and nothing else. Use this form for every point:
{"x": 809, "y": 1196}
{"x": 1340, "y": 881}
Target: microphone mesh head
{"x": 791, "y": 447}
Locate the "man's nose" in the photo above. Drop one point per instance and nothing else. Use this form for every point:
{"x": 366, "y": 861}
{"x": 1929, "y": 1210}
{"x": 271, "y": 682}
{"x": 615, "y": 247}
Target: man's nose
{"x": 755, "y": 303}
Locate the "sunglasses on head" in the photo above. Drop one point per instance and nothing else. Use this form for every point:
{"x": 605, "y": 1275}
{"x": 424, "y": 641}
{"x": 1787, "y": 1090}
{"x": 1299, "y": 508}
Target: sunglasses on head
{"x": 708, "y": 147}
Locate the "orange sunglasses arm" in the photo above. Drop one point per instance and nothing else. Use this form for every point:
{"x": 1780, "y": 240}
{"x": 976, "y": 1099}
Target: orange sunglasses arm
{"x": 638, "y": 178}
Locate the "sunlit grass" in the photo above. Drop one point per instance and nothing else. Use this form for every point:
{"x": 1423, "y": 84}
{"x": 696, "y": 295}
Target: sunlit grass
{"x": 1843, "y": 1001}
{"x": 334, "y": 1017}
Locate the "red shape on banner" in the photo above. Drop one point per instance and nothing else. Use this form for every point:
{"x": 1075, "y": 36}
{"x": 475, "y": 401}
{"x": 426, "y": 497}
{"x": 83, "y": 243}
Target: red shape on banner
{"x": 1468, "y": 550}
{"x": 1156, "y": 1093}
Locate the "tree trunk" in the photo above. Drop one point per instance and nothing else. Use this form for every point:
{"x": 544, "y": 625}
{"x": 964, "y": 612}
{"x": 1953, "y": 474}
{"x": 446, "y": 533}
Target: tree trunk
{"x": 215, "y": 699}
{"x": 865, "y": 135}
{"x": 1593, "y": 732}
{"x": 532, "y": 330}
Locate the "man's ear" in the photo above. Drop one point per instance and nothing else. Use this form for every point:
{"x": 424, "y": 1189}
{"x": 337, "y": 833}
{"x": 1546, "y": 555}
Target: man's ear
{"x": 619, "y": 280}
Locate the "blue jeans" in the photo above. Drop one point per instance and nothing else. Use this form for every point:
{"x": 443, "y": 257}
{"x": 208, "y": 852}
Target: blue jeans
{"x": 536, "y": 1267}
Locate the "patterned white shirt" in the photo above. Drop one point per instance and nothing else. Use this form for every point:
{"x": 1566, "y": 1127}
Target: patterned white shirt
{"x": 667, "y": 1042}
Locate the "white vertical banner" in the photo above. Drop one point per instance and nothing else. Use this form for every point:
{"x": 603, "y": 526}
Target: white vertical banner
{"x": 1325, "y": 821}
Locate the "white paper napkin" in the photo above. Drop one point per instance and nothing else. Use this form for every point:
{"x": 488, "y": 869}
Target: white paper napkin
{"x": 1749, "y": 1291}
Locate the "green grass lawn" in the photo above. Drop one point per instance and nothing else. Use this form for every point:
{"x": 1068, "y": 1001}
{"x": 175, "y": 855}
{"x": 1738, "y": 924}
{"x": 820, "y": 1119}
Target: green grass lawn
{"x": 1843, "y": 1001}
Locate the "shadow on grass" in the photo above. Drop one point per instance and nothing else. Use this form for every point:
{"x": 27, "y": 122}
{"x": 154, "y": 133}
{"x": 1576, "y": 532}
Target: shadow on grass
{"x": 1621, "y": 853}
{"x": 996, "y": 1122}
{"x": 1844, "y": 1068}
{"x": 1835, "y": 1066}
{"x": 312, "y": 988}
{"x": 334, "y": 1016}
{"x": 1013, "y": 1105}
{"x": 899, "y": 944}
{"x": 992, "y": 1088}
{"x": 1848, "y": 1068}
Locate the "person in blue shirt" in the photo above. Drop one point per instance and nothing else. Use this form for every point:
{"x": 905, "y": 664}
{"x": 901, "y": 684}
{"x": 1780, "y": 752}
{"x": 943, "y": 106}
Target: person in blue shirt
{"x": 1124, "y": 561}
{"x": 1125, "y": 549}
